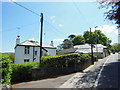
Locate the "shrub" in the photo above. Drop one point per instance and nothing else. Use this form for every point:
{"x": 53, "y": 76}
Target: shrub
{"x": 64, "y": 60}
{"x": 22, "y": 71}
{"x": 6, "y": 70}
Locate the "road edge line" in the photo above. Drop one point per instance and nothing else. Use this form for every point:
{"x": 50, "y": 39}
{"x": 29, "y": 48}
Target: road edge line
{"x": 98, "y": 77}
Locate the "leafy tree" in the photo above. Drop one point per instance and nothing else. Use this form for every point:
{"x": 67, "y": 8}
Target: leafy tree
{"x": 115, "y": 47}
{"x": 11, "y": 56}
{"x": 71, "y": 36}
{"x": 86, "y": 36}
{"x": 114, "y": 13}
{"x": 67, "y": 44}
{"x": 96, "y": 37}
{"x": 78, "y": 40}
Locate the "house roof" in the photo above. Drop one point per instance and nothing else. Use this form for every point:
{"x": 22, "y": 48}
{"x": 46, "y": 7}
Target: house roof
{"x": 83, "y": 46}
{"x": 87, "y": 48}
{"x": 71, "y": 50}
{"x": 34, "y": 44}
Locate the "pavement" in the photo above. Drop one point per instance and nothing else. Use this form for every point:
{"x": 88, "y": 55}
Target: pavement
{"x": 103, "y": 74}
{"x": 45, "y": 83}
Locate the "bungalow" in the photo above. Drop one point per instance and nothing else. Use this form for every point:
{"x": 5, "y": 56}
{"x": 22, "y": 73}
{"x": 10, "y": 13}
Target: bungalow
{"x": 29, "y": 51}
{"x": 99, "y": 50}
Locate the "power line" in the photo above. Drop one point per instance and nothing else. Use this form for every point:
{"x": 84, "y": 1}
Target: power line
{"x": 37, "y": 15}
{"x": 23, "y": 26}
{"x": 55, "y": 28}
{"x": 80, "y": 11}
{"x": 26, "y": 8}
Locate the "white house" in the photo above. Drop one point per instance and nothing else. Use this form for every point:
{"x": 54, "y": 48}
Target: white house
{"x": 99, "y": 50}
{"x": 29, "y": 51}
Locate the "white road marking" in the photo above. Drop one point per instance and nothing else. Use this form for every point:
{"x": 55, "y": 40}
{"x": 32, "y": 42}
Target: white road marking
{"x": 98, "y": 77}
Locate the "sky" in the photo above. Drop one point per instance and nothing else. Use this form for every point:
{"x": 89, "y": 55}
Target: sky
{"x": 60, "y": 20}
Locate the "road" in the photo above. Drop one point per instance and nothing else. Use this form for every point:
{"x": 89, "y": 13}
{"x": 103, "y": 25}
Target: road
{"x": 103, "y": 74}
{"x": 109, "y": 77}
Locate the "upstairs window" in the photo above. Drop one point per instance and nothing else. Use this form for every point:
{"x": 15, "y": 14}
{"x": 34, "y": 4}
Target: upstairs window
{"x": 27, "y": 49}
{"x": 35, "y": 52}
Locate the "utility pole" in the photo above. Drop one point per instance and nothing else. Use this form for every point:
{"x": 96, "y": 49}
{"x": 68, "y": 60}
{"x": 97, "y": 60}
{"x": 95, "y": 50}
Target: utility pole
{"x": 96, "y": 40}
{"x": 41, "y": 20}
{"x": 91, "y": 47}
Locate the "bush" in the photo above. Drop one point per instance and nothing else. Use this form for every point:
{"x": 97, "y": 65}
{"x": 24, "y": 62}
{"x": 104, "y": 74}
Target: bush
{"x": 22, "y": 71}
{"x": 6, "y": 70}
{"x": 64, "y": 60}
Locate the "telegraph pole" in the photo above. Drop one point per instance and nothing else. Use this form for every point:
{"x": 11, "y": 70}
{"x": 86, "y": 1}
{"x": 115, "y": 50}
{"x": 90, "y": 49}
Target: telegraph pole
{"x": 41, "y": 20}
{"x": 91, "y": 47}
{"x": 96, "y": 40}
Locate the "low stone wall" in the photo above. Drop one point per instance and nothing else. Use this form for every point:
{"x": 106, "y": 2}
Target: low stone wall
{"x": 43, "y": 72}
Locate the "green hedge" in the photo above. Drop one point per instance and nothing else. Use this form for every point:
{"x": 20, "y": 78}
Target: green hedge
{"x": 13, "y": 73}
{"x": 6, "y": 70}
{"x": 22, "y": 71}
{"x": 64, "y": 60}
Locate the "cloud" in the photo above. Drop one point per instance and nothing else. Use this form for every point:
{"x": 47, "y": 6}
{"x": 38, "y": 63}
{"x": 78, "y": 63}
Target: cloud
{"x": 60, "y": 25}
{"x": 107, "y": 29}
{"x": 58, "y": 40}
{"x": 53, "y": 19}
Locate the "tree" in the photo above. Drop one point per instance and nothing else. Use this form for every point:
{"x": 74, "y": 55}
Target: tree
{"x": 114, "y": 13}
{"x": 86, "y": 36}
{"x": 71, "y": 36}
{"x": 78, "y": 40}
{"x": 66, "y": 44}
{"x": 11, "y": 56}
{"x": 96, "y": 37}
{"x": 115, "y": 47}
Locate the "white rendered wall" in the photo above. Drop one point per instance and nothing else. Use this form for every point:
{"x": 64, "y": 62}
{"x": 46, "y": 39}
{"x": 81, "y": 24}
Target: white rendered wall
{"x": 20, "y": 54}
{"x": 51, "y": 52}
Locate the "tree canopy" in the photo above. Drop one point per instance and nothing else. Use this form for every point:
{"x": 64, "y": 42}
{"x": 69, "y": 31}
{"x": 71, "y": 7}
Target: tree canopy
{"x": 115, "y": 47}
{"x": 66, "y": 44}
{"x": 114, "y": 13}
{"x": 78, "y": 40}
{"x": 71, "y": 36}
{"x": 96, "y": 37}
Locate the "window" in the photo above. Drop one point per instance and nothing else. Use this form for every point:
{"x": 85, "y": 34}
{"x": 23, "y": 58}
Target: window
{"x": 27, "y": 49}
{"x": 35, "y": 52}
{"x": 26, "y": 60}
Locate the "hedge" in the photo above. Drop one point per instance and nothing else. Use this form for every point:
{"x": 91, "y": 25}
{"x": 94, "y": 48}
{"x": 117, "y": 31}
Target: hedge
{"x": 6, "y": 70}
{"x": 63, "y": 60}
{"x": 13, "y": 73}
{"x": 22, "y": 71}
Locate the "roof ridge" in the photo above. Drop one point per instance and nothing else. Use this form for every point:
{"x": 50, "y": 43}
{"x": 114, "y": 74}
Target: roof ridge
{"x": 23, "y": 41}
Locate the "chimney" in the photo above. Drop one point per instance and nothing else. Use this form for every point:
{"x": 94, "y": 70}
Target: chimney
{"x": 51, "y": 43}
{"x": 18, "y": 40}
